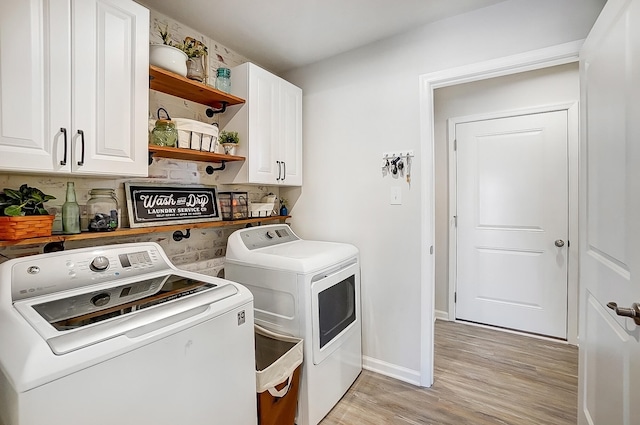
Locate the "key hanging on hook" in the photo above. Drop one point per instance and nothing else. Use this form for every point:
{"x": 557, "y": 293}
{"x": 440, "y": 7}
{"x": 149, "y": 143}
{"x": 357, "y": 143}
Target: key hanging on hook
{"x": 385, "y": 166}
{"x": 394, "y": 162}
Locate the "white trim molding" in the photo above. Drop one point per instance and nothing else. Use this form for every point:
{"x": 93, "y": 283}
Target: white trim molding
{"x": 442, "y": 315}
{"x": 528, "y": 61}
{"x": 393, "y": 371}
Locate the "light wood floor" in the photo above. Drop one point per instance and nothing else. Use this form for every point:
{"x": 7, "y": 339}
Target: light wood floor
{"x": 482, "y": 377}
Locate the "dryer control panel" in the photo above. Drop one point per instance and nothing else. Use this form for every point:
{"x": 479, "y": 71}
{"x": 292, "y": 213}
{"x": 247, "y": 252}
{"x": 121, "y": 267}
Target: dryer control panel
{"x": 264, "y": 236}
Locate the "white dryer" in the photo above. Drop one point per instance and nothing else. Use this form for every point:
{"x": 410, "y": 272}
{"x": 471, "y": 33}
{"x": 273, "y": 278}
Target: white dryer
{"x": 118, "y": 335}
{"x": 307, "y": 289}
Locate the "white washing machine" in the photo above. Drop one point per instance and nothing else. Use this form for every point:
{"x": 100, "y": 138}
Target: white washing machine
{"x": 118, "y": 335}
{"x": 310, "y": 290}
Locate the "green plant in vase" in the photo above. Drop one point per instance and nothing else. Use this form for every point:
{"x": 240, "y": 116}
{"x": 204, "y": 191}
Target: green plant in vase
{"x": 283, "y": 207}
{"x": 229, "y": 140}
{"x": 196, "y": 52}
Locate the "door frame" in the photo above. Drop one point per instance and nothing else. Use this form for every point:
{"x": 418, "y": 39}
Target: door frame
{"x": 528, "y": 61}
{"x": 573, "y": 145}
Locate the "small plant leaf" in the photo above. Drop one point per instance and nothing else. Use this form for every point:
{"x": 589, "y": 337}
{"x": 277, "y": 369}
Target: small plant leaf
{"x": 13, "y": 194}
{"x": 13, "y": 210}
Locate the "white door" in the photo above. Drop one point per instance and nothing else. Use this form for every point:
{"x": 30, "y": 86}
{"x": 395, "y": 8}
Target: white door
{"x": 609, "y": 375}
{"x": 290, "y": 150}
{"x": 35, "y": 85}
{"x": 264, "y": 107}
{"x": 110, "y": 87}
{"x": 512, "y": 217}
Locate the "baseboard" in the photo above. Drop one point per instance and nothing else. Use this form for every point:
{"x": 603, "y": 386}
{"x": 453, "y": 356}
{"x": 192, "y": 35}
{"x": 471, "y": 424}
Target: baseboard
{"x": 441, "y": 315}
{"x": 393, "y": 371}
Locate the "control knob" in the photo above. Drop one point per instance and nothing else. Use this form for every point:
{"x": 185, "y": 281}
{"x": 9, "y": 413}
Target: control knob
{"x": 99, "y": 264}
{"x": 270, "y": 234}
{"x": 100, "y": 299}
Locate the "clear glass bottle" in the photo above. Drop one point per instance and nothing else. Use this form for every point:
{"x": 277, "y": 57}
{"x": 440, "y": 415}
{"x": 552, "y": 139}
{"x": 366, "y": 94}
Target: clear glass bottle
{"x": 103, "y": 210}
{"x": 223, "y": 81}
{"x": 70, "y": 211}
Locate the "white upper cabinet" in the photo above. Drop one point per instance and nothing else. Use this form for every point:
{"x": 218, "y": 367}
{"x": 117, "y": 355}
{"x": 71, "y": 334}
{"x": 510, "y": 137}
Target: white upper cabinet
{"x": 269, "y": 125}
{"x": 74, "y": 78}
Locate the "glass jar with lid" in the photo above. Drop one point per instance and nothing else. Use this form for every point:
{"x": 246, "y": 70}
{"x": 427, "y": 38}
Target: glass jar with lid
{"x": 223, "y": 81}
{"x": 164, "y": 133}
{"x": 103, "y": 210}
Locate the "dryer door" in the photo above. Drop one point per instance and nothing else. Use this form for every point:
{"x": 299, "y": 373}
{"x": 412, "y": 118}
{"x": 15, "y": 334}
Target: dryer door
{"x": 335, "y": 306}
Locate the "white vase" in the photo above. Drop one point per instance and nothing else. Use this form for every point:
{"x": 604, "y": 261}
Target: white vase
{"x": 229, "y": 148}
{"x": 169, "y": 58}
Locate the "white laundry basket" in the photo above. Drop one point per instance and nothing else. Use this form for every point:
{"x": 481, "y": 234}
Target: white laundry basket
{"x": 278, "y": 362}
{"x": 196, "y": 135}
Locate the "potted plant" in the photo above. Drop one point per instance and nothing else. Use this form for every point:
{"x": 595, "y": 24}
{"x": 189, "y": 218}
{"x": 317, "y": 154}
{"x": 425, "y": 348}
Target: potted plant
{"x": 168, "y": 55}
{"x": 22, "y": 213}
{"x": 229, "y": 140}
{"x": 195, "y": 51}
{"x": 283, "y": 207}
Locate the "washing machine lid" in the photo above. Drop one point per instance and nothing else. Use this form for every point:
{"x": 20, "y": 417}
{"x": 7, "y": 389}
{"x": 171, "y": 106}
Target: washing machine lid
{"x": 77, "y": 298}
{"x": 277, "y": 247}
{"x": 73, "y": 320}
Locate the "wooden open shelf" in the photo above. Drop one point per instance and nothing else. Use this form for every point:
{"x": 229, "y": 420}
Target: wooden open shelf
{"x": 177, "y": 85}
{"x": 192, "y": 154}
{"x": 142, "y": 231}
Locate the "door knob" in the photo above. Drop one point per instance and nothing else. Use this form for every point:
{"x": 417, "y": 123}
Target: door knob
{"x": 559, "y": 243}
{"x": 633, "y": 312}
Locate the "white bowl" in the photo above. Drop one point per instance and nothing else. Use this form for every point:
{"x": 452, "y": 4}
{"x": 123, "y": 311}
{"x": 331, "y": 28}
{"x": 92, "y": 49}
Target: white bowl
{"x": 169, "y": 58}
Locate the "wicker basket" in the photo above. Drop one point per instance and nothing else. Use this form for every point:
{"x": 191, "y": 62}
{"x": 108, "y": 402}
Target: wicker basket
{"x": 23, "y": 227}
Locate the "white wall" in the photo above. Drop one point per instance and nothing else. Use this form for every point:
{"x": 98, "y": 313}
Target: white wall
{"x": 366, "y": 102}
{"x": 555, "y": 85}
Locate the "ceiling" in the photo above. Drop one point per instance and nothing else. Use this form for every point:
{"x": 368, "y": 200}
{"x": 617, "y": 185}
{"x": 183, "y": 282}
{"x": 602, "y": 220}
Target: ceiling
{"x": 286, "y": 34}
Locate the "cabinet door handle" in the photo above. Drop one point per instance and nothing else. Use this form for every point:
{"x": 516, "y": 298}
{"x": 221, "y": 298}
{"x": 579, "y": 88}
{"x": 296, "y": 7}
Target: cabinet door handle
{"x": 81, "y": 162}
{"x": 64, "y": 137}
{"x": 284, "y": 173}
{"x": 279, "y": 170}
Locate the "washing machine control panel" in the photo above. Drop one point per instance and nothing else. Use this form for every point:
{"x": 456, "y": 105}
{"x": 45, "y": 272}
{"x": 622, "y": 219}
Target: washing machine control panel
{"x": 259, "y": 237}
{"x": 45, "y": 274}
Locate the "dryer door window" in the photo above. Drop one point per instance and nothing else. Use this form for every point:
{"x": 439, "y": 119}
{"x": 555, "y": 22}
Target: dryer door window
{"x": 337, "y": 309}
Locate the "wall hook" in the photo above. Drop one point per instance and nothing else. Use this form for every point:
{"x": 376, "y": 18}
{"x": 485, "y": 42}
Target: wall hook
{"x": 178, "y": 235}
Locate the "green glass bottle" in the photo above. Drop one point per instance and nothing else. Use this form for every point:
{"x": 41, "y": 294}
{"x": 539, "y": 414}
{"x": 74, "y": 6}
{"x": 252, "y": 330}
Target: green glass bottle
{"x": 70, "y": 212}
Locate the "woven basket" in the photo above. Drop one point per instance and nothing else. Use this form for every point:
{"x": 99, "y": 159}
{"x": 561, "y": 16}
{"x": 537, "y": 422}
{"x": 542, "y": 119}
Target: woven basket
{"x": 24, "y": 227}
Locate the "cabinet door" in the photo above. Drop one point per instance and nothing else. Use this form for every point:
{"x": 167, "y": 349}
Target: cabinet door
{"x": 290, "y": 147}
{"x": 110, "y": 87}
{"x": 264, "y": 127}
{"x": 35, "y": 80}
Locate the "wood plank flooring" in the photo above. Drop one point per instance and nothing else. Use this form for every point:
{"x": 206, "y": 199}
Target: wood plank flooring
{"x": 482, "y": 377}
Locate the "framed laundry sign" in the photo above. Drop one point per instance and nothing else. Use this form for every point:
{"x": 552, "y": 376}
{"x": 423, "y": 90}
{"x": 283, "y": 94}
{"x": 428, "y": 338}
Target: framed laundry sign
{"x": 151, "y": 204}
